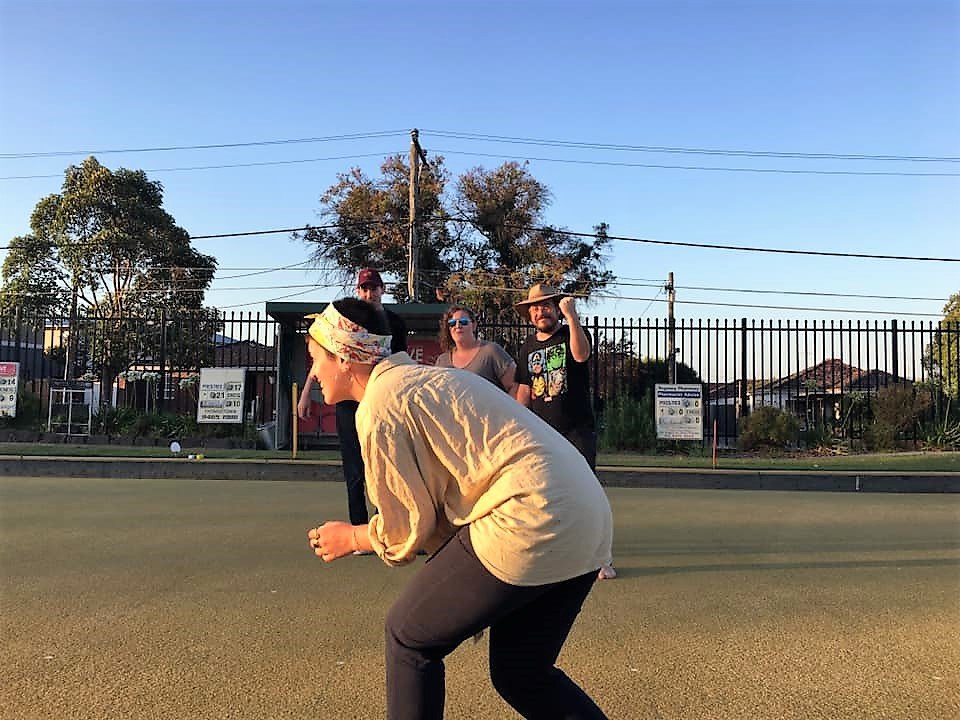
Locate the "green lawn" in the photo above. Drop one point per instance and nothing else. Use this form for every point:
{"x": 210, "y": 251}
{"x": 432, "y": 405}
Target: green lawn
{"x": 906, "y": 461}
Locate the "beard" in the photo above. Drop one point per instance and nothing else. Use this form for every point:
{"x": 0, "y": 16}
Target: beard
{"x": 548, "y": 325}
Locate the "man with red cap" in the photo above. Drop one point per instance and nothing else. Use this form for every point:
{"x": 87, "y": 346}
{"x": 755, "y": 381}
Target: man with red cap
{"x": 370, "y": 288}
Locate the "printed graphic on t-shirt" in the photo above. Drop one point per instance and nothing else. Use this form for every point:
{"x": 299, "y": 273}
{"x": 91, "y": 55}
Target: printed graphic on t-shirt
{"x": 548, "y": 372}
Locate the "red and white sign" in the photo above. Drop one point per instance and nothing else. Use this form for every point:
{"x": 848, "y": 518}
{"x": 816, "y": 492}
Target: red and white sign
{"x": 9, "y": 375}
{"x": 423, "y": 350}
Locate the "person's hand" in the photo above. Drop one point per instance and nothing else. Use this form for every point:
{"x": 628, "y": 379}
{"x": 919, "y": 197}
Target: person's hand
{"x": 303, "y": 407}
{"x": 332, "y": 540}
{"x": 568, "y": 308}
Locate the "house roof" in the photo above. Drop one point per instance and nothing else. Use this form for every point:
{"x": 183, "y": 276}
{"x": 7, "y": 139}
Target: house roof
{"x": 719, "y": 390}
{"x": 831, "y": 376}
{"x": 245, "y": 353}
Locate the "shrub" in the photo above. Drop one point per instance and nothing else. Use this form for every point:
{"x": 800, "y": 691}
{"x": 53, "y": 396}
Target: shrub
{"x": 181, "y": 426}
{"x": 28, "y": 413}
{"x": 770, "y": 428}
{"x": 114, "y": 421}
{"x": 943, "y": 432}
{"x": 817, "y": 437}
{"x": 897, "y": 410}
{"x": 628, "y": 424}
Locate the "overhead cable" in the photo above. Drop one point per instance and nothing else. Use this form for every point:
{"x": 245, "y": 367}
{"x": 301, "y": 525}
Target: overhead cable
{"x": 217, "y": 146}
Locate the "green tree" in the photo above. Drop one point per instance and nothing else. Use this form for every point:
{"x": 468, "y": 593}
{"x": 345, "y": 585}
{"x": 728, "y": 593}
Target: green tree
{"x": 481, "y": 242}
{"x": 942, "y": 357}
{"x": 365, "y": 224}
{"x": 105, "y": 244}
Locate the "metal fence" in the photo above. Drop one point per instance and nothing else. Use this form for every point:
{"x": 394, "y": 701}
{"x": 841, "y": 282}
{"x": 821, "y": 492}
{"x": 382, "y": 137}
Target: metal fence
{"x": 810, "y": 368}
{"x": 813, "y": 369}
{"x": 150, "y": 363}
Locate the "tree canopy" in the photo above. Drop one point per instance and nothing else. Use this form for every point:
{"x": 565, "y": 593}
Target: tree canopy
{"x": 483, "y": 239}
{"x": 106, "y": 246}
{"x": 107, "y": 238}
{"x": 943, "y": 354}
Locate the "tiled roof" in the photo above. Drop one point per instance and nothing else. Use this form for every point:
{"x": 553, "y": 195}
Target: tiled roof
{"x": 831, "y": 376}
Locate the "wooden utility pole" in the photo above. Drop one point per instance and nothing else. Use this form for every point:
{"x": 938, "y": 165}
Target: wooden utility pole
{"x": 413, "y": 244}
{"x": 671, "y": 332}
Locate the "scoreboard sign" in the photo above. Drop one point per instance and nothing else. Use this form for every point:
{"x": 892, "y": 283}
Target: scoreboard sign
{"x": 9, "y": 375}
{"x": 679, "y": 410}
{"x": 220, "y": 397}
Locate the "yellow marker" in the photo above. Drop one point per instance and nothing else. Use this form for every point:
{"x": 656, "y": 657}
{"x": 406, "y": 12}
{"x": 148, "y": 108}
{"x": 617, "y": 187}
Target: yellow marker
{"x": 296, "y": 429}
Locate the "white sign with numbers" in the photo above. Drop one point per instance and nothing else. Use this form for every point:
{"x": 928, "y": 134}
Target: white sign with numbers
{"x": 9, "y": 375}
{"x": 679, "y": 410}
{"x": 220, "y": 397}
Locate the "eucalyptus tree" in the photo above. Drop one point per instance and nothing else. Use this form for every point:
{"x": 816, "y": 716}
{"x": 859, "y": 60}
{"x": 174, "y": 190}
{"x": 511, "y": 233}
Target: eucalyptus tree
{"x": 483, "y": 238}
{"x": 105, "y": 251}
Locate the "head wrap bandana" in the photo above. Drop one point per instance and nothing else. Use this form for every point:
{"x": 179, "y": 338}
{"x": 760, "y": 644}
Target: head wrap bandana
{"x": 346, "y": 339}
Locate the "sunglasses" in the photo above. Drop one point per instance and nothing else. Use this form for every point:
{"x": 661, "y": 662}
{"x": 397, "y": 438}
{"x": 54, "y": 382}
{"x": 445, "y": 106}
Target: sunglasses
{"x": 462, "y": 322}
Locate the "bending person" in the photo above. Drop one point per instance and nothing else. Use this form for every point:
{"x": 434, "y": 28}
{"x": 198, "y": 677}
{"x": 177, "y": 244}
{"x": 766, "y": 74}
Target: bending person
{"x": 515, "y": 518}
{"x": 463, "y": 349}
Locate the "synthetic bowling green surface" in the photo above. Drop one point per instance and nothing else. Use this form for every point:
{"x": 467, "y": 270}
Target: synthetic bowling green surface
{"x": 200, "y": 599}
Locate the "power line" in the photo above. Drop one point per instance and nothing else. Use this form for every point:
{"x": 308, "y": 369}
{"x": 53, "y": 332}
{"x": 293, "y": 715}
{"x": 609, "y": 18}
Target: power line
{"x": 708, "y": 168}
{"x": 568, "y": 161}
{"x": 520, "y": 291}
{"x": 720, "y": 304}
{"x": 294, "y": 266}
{"x": 787, "y": 307}
{"x": 219, "y": 236}
{"x": 571, "y": 161}
{"x": 654, "y": 283}
{"x": 171, "y": 286}
{"x": 792, "y": 292}
{"x": 741, "y": 248}
{"x": 505, "y": 139}
{"x": 686, "y": 150}
{"x": 282, "y": 297}
{"x": 219, "y": 146}
{"x": 622, "y": 238}
{"x": 221, "y": 167}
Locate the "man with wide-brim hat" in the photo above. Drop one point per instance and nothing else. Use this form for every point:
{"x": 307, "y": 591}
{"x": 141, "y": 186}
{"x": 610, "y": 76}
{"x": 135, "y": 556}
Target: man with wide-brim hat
{"x": 553, "y": 377}
{"x": 538, "y": 293}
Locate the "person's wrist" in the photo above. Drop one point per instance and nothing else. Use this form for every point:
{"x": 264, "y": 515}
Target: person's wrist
{"x": 353, "y": 539}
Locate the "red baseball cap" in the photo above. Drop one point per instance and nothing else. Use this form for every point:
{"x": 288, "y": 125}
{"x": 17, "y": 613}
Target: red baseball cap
{"x": 369, "y": 276}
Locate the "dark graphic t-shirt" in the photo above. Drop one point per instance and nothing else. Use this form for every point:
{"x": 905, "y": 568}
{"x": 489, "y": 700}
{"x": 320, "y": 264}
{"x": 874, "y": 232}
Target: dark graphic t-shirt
{"x": 559, "y": 385}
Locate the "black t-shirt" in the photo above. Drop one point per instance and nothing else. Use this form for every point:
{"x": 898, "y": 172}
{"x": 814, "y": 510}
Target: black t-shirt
{"x": 559, "y": 385}
{"x": 398, "y": 332}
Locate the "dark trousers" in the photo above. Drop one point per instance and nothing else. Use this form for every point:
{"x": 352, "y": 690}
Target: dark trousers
{"x": 352, "y": 460}
{"x": 584, "y": 440}
{"x": 454, "y": 597}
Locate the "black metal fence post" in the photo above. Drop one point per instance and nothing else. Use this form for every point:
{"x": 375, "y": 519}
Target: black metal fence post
{"x": 744, "y": 409}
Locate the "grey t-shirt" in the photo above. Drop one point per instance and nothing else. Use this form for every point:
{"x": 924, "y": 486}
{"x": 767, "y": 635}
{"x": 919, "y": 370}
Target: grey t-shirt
{"x": 490, "y": 362}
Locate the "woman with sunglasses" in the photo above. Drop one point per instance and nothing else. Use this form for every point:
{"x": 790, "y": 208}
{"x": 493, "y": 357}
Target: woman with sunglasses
{"x": 515, "y": 518}
{"x": 463, "y": 349}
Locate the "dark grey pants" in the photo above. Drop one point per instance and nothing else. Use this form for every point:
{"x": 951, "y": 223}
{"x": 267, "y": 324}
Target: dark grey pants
{"x": 584, "y": 440}
{"x": 353, "y": 472}
{"x": 454, "y": 597}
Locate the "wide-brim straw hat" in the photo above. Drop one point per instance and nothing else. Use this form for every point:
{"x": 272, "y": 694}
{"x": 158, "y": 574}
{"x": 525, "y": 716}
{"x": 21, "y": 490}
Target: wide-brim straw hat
{"x": 539, "y": 293}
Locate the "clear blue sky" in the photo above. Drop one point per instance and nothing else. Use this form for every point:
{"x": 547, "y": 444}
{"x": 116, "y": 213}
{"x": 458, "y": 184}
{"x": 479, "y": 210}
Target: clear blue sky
{"x": 867, "y": 77}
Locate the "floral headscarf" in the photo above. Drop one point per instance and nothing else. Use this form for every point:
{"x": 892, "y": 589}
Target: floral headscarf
{"x": 347, "y": 340}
